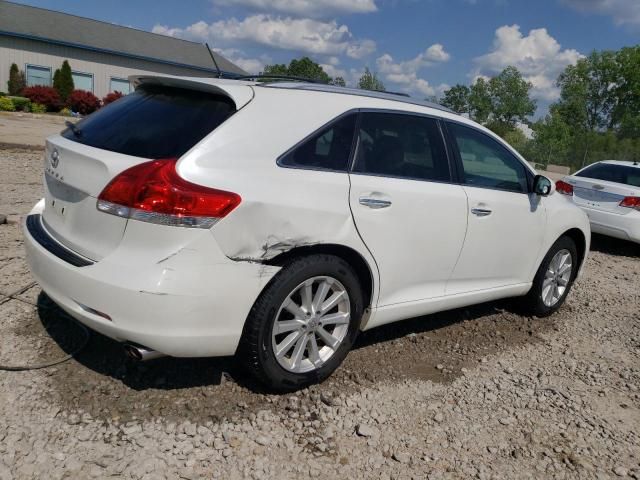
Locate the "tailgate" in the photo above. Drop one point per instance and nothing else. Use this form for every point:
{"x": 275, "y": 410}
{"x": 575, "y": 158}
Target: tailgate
{"x": 75, "y": 174}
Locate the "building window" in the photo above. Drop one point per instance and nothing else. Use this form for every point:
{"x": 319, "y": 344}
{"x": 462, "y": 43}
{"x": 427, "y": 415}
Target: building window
{"x": 38, "y": 75}
{"x": 121, "y": 85}
{"x": 82, "y": 81}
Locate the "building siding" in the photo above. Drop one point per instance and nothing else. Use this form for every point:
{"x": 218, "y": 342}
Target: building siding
{"x": 103, "y": 66}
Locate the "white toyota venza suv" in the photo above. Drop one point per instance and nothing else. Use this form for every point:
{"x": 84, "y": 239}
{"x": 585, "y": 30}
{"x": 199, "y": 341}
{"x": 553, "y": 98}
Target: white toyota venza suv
{"x": 274, "y": 221}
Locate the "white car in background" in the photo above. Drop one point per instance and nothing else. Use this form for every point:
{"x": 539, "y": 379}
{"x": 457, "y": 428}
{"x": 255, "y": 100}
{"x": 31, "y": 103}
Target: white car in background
{"x": 609, "y": 193}
{"x": 274, "y": 221}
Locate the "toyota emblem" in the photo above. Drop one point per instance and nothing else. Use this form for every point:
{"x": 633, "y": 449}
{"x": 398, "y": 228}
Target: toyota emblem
{"x": 55, "y": 158}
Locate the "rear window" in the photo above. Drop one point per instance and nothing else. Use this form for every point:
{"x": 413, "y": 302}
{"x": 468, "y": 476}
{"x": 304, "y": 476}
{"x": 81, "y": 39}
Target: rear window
{"x": 612, "y": 173}
{"x": 153, "y": 122}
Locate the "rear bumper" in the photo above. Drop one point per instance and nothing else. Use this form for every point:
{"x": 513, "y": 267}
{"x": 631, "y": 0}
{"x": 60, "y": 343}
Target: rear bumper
{"x": 192, "y": 304}
{"x": 625, "y": 227}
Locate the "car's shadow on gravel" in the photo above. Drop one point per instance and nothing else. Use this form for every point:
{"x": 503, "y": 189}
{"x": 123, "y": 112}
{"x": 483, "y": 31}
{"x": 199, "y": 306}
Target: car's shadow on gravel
{"x": 433, "y": 347}
{"x": 441, "y": 346}
{"x": 614, "y": 246}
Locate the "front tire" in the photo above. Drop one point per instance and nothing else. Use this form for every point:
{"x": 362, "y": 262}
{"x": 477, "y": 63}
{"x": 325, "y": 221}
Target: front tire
{"x": 303, "y": 324}
{"x": 554, "y": 279}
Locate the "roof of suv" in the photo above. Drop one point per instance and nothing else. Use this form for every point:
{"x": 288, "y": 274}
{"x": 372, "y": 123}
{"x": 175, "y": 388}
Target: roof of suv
{"x": 320, "y": 87}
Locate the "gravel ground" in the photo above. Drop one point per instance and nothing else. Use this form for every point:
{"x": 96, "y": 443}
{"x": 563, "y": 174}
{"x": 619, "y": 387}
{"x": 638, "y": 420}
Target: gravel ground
{"x": 478, "y": 392}
{"x": 29, "y": 129}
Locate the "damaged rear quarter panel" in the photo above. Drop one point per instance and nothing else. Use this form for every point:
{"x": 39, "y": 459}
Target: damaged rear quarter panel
{"x": 281, "y": 208}
{"x": 287, "y": 216}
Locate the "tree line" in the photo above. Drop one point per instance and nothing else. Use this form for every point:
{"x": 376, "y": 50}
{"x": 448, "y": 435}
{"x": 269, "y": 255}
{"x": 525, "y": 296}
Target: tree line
{"x": 597, "y": 116}
{"x": 305, "y": 68}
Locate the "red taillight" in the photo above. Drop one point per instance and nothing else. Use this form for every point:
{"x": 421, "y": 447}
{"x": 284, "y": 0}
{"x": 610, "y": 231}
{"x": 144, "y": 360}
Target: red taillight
{"x": 154, "y": 192}
{"x": 631, "y": 202}
{"x": 564, "y": 187}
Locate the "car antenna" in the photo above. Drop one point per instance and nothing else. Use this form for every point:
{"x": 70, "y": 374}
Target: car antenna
{"x": 214, "y": 59}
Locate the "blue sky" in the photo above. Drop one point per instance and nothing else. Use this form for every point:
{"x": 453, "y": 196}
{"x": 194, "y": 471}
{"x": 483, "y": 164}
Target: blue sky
{"x": 417, "y": 46}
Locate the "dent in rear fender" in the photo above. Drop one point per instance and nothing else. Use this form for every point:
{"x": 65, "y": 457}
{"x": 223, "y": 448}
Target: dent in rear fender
{"x": 259, "y": 232}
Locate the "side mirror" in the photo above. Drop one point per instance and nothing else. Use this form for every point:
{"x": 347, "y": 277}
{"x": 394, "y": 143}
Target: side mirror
{"x": 542, "y": 186}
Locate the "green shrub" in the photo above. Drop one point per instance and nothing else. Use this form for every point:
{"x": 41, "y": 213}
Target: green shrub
{"x": 38, "y": 108}
{"x": 63, "y": 81}
{"x": 6, "y": 105}
{"x": 2, "y": 94}
{"x": 16, "y": 80}
{"x": 21, "y": 103}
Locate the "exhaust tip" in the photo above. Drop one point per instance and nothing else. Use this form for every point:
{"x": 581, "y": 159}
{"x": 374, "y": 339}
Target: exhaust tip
{"x": 141, "y": 354}
{"x": 133, "y": 353}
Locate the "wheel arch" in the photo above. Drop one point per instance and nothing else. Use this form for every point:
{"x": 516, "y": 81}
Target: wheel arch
{"x": 580, "y": 240}
{"x": 352, "y": 257}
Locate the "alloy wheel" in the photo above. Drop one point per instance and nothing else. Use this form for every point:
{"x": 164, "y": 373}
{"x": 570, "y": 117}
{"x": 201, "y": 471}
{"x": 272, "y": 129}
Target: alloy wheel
{"x": 311, "y": 324}
{"x": 557, "y": 277}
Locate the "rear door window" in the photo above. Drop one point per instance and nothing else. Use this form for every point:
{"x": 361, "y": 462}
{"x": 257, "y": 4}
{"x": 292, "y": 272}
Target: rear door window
{"x": 153, "y": 122}
{"x": 327, "y": 149}
{"x": 401, "y": 145}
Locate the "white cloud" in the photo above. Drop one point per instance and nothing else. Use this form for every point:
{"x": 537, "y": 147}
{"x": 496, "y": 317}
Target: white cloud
{"x": 435, "y": 53}
{"x": 624, "y": 12}
{"x": 297, "y": 34}
{"x": 334, "y": 71}
{"x": 406, "y": 74}
{"x": 538, "y": 56}
{"x": 333, "y": 61}
{"x": 304, "y": 8}
{"x": 238, "y": 57}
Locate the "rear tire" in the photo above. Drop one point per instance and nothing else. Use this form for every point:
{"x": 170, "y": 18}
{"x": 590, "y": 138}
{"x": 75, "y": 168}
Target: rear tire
{"x": 288, "y": 341}
{"x": 553, "y": 281}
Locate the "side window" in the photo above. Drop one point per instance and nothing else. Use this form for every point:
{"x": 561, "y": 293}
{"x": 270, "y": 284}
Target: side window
{"x": 329, "y": 149}
{"x": 400, "y": 145}
{"x": 486, "y": 163}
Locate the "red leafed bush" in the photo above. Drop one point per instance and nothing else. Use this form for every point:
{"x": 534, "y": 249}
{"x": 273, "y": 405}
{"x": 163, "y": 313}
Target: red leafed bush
{"x": 111, "y": 97}
{"x": 47, "y": 96}
{"x": 83, "y": 102}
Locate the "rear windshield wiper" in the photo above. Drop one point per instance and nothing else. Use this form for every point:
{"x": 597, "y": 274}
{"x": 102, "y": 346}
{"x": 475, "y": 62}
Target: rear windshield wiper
{"x": 76, "y": 131}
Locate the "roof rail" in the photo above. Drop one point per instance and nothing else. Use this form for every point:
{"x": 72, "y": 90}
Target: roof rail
{"x": 279, "y": 77}
{"x": 323, "y": 87}
{"x": 400, "y": 94}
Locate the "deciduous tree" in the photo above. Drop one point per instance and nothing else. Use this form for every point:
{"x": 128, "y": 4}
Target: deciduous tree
{"x": 457, "y": 98}
{"x": 370, "y": 81}
{"x": 303, "y": 68}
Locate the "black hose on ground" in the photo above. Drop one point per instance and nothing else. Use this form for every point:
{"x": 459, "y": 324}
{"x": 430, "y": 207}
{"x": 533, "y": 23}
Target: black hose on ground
{"x": 38, "y": 366}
